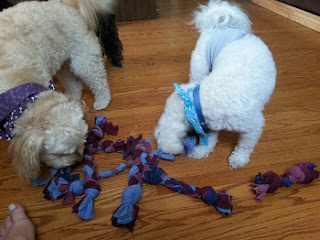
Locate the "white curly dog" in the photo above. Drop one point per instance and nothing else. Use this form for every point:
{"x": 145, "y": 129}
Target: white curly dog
{"x": 236, "y": 74}
{"x": 37, "y": 41}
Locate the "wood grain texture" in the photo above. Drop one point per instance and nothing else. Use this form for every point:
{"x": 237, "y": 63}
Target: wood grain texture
{"x": 157, "y": 54}
{"x": 295, "y": 14}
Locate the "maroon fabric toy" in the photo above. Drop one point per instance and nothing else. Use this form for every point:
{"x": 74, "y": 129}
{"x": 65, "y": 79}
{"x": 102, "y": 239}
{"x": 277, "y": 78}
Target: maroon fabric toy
{"x": 269, "y": 182}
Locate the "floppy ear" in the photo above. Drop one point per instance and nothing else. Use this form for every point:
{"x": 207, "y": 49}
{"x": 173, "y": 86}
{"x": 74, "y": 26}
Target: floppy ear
{"x": 25, "y": 149}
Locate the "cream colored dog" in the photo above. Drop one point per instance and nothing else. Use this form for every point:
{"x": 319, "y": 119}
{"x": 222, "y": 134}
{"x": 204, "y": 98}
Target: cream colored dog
{"x": 37, "y": 41}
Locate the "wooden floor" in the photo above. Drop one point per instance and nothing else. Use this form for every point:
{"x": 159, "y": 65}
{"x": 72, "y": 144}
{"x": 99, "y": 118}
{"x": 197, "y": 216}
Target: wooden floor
{"x": 157, "y": 54}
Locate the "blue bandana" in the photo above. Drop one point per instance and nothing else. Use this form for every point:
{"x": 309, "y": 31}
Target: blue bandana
{"x": 13, "y": 102}
{"x": 193, "y": 112}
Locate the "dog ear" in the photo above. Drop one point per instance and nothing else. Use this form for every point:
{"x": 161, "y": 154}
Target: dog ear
{"x": 25, "y": 149}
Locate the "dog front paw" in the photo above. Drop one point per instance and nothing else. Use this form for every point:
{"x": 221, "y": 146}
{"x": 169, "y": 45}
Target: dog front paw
{"x": 172, "y": 148}
{"x": 237, "y": 160}
{"x": 101, "y": 103}
{"x": 199, "y": 152}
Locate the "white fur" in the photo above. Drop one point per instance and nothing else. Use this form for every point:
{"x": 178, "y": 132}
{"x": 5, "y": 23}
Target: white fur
{"x": 37, "y": 41}
{"x": 233, "y": 95}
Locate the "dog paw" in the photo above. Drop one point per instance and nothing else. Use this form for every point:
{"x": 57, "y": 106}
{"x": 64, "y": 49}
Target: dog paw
{"x": 237, "y": 160}
{"x": 199, "y": 152}
{"x": 172, "y": 148}
{"x": 101, "y": 103}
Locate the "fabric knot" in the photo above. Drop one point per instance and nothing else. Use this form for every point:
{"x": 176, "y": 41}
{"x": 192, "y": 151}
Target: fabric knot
{"x": 209, "y": 196}
{"x": 295, "y": 174}
{"x": 108, "y": 128}
{"x": 224, "y": 203}
{"x": 88, "y": 170}
{"x": 269, "y": 182}
{"x": 99, "y": 119}
{"x": 260, "y": 190}
{"x": 152, "y": 174}
{"x": 71, "y": 190}
{"x": 107, "y": 146}
{"x": 76, "y": 187}
{"x": 272, "y": 179}
{"x": 92, "y": 192}
{"x": 127, "y": 212}
{"x": 310, "y": 173}
{"x": 95, "y": 134}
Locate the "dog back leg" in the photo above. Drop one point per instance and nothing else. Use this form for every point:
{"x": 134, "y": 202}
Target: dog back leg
{"x": 72, "y": 86}
{"x": 247, "y": 142}
{"x": 87, "y": 63}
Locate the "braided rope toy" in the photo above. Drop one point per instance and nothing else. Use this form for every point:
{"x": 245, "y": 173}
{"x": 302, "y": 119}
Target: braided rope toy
{"x": 62, "y": 184}
{"x": 144, "y": 168}
{"x": 269, "y": 182}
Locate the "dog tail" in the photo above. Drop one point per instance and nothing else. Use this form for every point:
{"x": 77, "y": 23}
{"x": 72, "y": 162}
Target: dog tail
{"x": 99, "y": 15}
{"x": 91, "y": 9}
{"x": 219, "y": 14}
{"x": 4, "y": 4}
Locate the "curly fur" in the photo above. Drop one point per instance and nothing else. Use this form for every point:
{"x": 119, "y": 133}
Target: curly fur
{"x": 110, "y": 41}
{"x": 58, "y": 38}
{"x": 5, "y": 4}
{"x": 233, "y": 95}
{"x": 106, "y": 30}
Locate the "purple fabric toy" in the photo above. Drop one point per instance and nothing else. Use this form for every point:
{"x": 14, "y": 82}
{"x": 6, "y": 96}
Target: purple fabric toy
{"x": 270, "y": 182}
{"x": 62, "y": 184}
{"x": 145, "y": 170}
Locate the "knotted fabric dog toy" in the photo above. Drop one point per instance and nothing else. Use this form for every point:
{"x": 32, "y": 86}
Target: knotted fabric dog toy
{"x": 145, "y": 170}
{"x": 269, "y": 182}
{"x": 62, "y": 184}
{"x": 143, "y": 163}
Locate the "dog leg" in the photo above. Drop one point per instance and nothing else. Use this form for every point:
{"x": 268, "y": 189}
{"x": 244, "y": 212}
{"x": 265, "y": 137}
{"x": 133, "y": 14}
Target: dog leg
{"x": 203, "y": 151}
{"x": 246, "y": 144}
{"x": 86, "y": 61}
{"x": 71, "y": 85}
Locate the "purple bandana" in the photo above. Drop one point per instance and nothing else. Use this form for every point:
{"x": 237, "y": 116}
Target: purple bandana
{"x": 13, "y": 102}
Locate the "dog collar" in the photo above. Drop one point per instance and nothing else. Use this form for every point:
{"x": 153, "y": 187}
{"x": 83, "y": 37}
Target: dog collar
{"x": 197, "y": 105}
{"x": 13, "y": 102}
{"x": 220, "y": 38}
{"x": 193, "y": 111}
